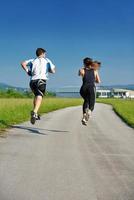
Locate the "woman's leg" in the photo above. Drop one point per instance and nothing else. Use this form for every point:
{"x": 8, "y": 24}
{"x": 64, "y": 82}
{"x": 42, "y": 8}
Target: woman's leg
{"x": 84, "y": 94}
{"x": 85, "y": 105}
{"x": 92, "y": 97}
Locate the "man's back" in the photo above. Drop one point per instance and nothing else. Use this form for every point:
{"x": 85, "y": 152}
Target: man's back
{"x": 40, "y": 67}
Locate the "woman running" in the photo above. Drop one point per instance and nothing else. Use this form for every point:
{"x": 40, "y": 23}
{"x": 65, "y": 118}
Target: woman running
{"x": 90, "y": 76}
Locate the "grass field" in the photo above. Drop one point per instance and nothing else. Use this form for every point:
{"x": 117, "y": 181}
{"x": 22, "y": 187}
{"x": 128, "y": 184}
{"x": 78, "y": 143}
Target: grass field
{"x": 124, "y": 108}
{"x": 13, "y": 111}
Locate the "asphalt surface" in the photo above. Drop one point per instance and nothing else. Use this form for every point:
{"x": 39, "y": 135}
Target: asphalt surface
{"x": 60, "y": 159}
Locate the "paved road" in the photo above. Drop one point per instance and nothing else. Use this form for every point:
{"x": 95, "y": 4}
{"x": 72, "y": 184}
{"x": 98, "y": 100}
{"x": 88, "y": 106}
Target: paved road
{"x": 59, "y": 159}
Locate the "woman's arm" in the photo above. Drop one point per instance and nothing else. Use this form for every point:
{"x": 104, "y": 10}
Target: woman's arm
{"x": 81, "y": 72}
{"x": 97, "y": 77}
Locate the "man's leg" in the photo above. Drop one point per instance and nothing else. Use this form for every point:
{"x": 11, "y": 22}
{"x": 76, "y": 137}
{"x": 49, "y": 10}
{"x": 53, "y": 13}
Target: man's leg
{"x": 39, "y": 90}
{"x": 37, "y": 103}
{"x": 34, "y": 102}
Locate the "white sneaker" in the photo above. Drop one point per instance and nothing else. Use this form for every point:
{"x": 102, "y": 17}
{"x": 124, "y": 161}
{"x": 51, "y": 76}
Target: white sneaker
{"x": 84, "y": 121}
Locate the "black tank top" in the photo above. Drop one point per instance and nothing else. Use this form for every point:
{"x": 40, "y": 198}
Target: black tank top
{"x": 89, "y": 78}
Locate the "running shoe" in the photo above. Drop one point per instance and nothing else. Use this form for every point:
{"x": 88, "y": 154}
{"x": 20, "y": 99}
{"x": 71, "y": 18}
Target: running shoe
{"x": 84, "y": 121}
{"x": 87, "y": 114}
{"x": 38, "y": 117}
{"x": 33, "y": 117}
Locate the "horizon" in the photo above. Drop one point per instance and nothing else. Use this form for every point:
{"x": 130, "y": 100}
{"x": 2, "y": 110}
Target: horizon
{"x": 75, "y": 86}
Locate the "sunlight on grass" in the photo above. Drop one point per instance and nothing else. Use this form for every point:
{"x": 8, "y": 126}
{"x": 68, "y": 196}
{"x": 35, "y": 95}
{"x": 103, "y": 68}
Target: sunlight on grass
{"x": 13, "y": 111}
{"x": 123, "y": 107}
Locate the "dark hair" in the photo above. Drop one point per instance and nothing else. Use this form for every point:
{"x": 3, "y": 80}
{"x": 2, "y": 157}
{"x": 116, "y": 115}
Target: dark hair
{"x": 87, "y": 61}
{"x": 39, "y": 51}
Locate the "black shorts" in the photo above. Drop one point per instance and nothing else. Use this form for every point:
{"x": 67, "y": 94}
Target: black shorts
{"x": 38, "y": 87}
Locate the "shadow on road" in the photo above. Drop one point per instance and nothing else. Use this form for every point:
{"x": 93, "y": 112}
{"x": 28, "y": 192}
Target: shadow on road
{"x": 37, "y": 130}
{"x": 30, "y": 129}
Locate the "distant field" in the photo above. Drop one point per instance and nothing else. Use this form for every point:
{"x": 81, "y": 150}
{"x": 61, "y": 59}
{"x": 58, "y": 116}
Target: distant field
{"x": 13, "y": 111}
{"x": 124, "y": 108}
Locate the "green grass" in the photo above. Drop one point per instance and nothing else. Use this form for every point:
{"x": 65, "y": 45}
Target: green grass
{"x": 124, "y": 108}
{"x": 13, "y": 111}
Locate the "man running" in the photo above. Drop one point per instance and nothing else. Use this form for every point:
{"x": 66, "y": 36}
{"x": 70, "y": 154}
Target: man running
{"x": 90, "y": 76}
{"x": 38, "y": 69}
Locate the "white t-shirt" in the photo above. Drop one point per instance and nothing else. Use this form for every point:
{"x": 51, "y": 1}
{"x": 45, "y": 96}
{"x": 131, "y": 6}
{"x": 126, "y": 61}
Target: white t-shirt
{"x": 40, "y": 67}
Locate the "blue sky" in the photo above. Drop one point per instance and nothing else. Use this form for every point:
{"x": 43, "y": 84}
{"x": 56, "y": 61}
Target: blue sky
{"x": 69, "y": 31}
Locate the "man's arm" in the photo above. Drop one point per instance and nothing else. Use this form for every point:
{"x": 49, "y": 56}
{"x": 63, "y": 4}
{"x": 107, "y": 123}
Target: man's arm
{"x": 24, "y": 65}
{"x": 53, "y": 70}
{"x": 51, "y": 67}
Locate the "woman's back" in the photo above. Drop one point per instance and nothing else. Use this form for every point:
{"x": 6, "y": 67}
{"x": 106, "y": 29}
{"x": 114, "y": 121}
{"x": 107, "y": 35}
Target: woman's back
{"x": 89, "y": 77}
